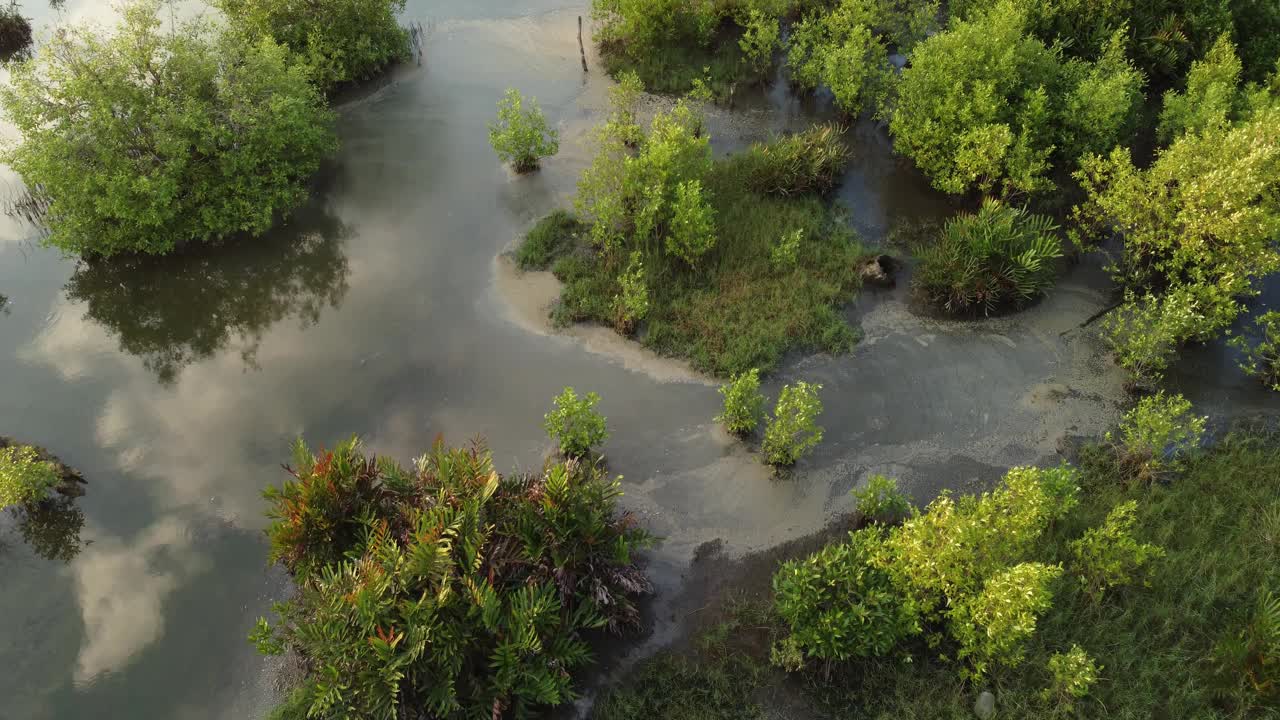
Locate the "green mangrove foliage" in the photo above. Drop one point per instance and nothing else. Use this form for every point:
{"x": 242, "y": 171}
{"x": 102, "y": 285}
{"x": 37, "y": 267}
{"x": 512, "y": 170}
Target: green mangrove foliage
{"x": 521, "y": 136}
{"x": 987, "y": 106}
{"x": 674, "y": 44}
{"x": 743, "y": 403}
{"x": 574, "y": 424}
{"x": 1199, "y": 228}
{"x": 968, "y": 566}
{"x": 1000, "y": 256}
{"x": 342, "y": 41}
{"x": 846, "y": 48}
{"x": 239, "y": 131}
{"x": 445, "y": 590}
{"x": 793, "y": 431}
{"x": 24, "y": 477}
{"x": 1262, "y": 358}
{"x": 840, "y": 604}
{"x": 1162, "y": 36}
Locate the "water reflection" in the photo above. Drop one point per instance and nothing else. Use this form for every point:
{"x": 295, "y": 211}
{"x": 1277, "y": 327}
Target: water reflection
{"x": 178, "y": 309}
{"x": 51, "y": 528}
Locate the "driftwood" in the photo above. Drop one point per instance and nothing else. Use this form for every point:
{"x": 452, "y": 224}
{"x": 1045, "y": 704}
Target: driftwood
{"x": 71, "y": 480}
{"x": 582, "y": 48}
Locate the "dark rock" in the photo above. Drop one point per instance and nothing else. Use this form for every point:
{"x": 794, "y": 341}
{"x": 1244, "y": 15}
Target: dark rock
{"x": 878, "y": 271}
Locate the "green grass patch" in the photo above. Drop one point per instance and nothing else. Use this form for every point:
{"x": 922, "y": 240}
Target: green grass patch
{"x": 552, "y": 236}
{"x": 739, "y": 309}
{"x": 1165, "y": 648}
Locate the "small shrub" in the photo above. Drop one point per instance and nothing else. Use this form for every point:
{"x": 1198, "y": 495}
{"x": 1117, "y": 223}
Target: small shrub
{"x": 993, "y": 626}
{"x": 743, "y": 403}
{"x": 632, "y": 304}
{"x": 693, "y": 229}
{"x": 574, "y": 423}
{"x": 880, "y": 499}
{"x": 811, "y": 161}
{"x": 24, "y": 477}
{"x": 999, "y": 256}
{"x": 1262, "y": 359}
{"x": 794, "y": 430}
{"x": 1109, "y": 556}
{"x": 839, "y": 605}
{"x": 521, "y": 137}
{"x": 947, "y": 553}
{"x": 786, "y": 252}
{"x": 552, "y": 237}
{"x": 1156, "y": 436}
{"x": 1072, "y": 674}
{"x": 759, "y": 40}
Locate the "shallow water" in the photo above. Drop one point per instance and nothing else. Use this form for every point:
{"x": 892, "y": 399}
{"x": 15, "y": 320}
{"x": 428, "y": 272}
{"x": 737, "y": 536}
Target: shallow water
{"x": 381, "y": 309}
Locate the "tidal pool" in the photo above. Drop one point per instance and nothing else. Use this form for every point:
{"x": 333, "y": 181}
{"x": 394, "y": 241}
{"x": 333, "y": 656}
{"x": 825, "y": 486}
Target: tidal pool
{"x": 383, "y": 309}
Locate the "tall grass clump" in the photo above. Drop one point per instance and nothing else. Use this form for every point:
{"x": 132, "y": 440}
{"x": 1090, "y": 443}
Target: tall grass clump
{"x": 810, "y": 161}
{"x": 445, "y": 589}
{"x": 999, "y": 256}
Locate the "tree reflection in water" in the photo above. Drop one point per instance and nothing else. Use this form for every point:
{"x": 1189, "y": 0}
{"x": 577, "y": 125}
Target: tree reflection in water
{"x": 51, "y": 527}
{"x": 185, "y": 307}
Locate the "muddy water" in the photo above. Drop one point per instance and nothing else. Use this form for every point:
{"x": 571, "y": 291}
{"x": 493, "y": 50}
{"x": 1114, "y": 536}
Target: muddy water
{"x": 384, "y": 309}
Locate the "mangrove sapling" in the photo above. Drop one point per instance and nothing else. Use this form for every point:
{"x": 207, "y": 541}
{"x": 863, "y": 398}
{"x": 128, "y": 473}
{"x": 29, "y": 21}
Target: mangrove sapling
{"x": 1262, "y": 358}
{"x": 1073, "y": 673}
{"x": 760, "y": 37}
{"x": 743, "y": 403}
{"x": 236, "y": 130}
{"x": 574, "y": 424}
{"x": 793, "y": 430}
{"x": 1156, "y": 437}
{"x": 880, "y": 500}
{"x": 342, "y": 41}
{"x": 1109, "y": 556}
{"x": 24, "y": 477}
{"x": 522, "y": 137}
{"x": 631, "y": 304}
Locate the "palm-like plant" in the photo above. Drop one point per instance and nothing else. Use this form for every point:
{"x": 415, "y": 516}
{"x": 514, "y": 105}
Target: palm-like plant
{"x": 1001, "y": 255}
